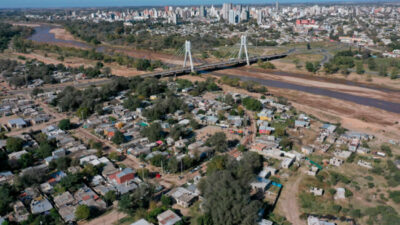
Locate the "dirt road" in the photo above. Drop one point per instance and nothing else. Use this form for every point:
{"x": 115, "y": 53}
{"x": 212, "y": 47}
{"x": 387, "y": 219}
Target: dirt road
{"x": 106, "y": 219}
{"x": 288, "y": 201}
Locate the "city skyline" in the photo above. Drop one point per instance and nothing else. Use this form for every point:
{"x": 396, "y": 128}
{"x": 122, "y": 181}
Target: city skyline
{"x": 129, "y": 3}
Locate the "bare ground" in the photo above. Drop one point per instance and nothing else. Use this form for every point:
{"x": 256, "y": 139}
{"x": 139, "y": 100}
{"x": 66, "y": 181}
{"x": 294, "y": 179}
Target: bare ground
{"x": 106, "y": 219}
{"x": 288, "y": 201}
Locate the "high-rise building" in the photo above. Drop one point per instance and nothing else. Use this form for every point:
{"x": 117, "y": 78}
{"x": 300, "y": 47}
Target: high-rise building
{"x": 259, "y": 17}
{"x": 232, "y": 19}
{"x": 226, "y": 7}
{"x": 203, "y": 12}
{"x": 277, "y": 6}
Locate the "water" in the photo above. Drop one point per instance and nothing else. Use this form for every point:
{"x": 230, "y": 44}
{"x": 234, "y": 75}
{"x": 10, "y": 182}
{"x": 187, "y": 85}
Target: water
{"x": 42, "y": 35}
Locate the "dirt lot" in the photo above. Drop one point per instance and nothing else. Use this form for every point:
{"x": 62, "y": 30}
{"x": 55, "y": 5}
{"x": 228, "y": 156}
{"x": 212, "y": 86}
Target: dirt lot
{"x": 62, "y": 34}
{"x": 288, "y": 66}
{"x": 106, "y": 219}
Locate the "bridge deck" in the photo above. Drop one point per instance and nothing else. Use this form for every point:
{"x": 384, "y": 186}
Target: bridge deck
{"x": 214, "y": 66}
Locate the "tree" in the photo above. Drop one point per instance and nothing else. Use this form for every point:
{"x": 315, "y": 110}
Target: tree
{"x": 371, "y": 64}
{"x": 44, "y": 150}
{"x": 394, "y": 74}
{"x": 65, "y": 124}
{"x": 6, "y": 198}
{"x": 154, "y": 132}
{"x": 82, "y": 113}
{"x": 252, "y": 104}
{"x": 82, "y": 212}
{"x": 360, "y": 68}
{"x": 310, "y": 67}
{"x": 218, "y": 142}
{"x": 382, "y": 70}
{"x": 227, "y": 201}
{"x": 114, "y": 156}
{"x": 14, "y": 144}
{"x": 110, "y": 197}
{"x": 166, "y": 200}
{"x": 118, "y": 138}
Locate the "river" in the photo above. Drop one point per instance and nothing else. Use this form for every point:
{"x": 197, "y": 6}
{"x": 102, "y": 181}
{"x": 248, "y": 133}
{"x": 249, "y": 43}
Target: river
{"x": 377, "y": 103}
{"x": 42, "y": 35}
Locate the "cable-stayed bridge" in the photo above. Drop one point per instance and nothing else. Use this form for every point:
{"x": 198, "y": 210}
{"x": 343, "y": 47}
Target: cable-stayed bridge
{"x": 190, "y": 65}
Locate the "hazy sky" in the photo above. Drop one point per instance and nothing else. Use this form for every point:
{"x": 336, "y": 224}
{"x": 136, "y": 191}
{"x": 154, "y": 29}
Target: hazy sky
{"x": 97, "y": 3}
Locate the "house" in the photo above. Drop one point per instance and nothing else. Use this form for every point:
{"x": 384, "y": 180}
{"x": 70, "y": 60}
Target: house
{"x": 67, "y": 212}
{"x": 265, "y": 222}
{"x": 6, "y": 177}
{"x": 20, "y": 212}
{"x": 123, "y": 180}
{"x": 365, "y": 164}
{"x": 317, "y": 191}
{"x": 16, "y": 155}
{"x": 65, "y": 198}
{"x": 123, "y": 176}
{"x": 312, "y": 171}
{"x": 17, "y": 123}
{"x": 287, "y": 162}
{"x": 301, "y": 123}
{"x": 261, "y": 185}
{"x": 182, "y": 196}
{"x": 141, "y": 222}
{"x": 311, "y": 220}
{"x": 168, "y": 218}
{"x": 329, "y": 128}
{"x": 265, "y": 114}
{"x": 340, "y": 193}
{"x": 336, "y": 161}
{"x": 307, "y": 149}
{"x": 362, "y": 150}
{"x": 40, "y": 205}
{"x": 86, "y": 196}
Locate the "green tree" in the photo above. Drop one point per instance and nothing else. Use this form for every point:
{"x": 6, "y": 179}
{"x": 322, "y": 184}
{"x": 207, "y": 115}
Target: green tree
{"x": 6, "y": 198}
{"x": 114, "y": 156}
{"x": 26, "y": 160}
{"x": 382, "y": 70}
{"x": 395, "y": 73}
{"x": 310, "y": 67}
{"x": 82, "y": 212}
{"x": 110, "y": 197}
{"x": 227, "y": 201}
{"x": 154, "y": 132}
{"x": 118, "y": 138}
{"x": 14, "y": 144}
{"x": 360, "y": 68}
{"x": 65, "y": 124}
{"x": 371, "y": 64}
{"x": 82, "y": 113}
{"x": 166, "y": 200}
{"x": 218, "y": 142}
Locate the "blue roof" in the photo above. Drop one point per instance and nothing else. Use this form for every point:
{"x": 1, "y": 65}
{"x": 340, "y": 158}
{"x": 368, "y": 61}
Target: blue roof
{"x": 17, "y": 121}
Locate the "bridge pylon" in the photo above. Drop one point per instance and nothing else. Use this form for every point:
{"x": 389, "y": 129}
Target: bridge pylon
{"x": 188, "y": 54}
{"x": 243, "y": 46}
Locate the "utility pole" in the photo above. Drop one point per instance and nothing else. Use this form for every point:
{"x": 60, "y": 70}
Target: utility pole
{"x": 243, "y": 46}
{"x": 188, "y": 53}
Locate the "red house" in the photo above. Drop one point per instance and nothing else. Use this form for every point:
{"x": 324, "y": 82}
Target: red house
{"x": 123, "y": 176}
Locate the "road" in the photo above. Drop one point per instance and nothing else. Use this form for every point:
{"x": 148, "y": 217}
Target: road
{"x": 288, "y": 203}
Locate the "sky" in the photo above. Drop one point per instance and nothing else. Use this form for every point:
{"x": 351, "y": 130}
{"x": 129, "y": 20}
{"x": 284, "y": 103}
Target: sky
{"x": 100, "y": 3}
